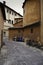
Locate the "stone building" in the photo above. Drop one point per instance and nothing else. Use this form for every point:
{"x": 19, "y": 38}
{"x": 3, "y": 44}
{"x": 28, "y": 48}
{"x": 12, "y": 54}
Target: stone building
{"x": 2, "y": 19}
{"x": 10, "y": 19}
{"x": 17, "y": 30}
{"x": 32, "y": 20}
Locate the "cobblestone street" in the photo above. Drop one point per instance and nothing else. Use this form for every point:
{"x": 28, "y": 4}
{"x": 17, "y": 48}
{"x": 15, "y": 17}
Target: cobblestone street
{"x": 20, "y": 54}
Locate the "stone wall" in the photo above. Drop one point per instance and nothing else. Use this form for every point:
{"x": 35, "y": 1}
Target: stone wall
{"x": 26, "y": 32}
{"x": 32, "y": 32}
{"x": 1, "y": 26}
{"x": 15, "y": 33}
{"x": 41, "y": 21}
{"x": 31, "y": 12}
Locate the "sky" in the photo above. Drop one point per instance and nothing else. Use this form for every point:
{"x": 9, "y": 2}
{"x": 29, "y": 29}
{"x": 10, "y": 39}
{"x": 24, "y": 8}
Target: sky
{"x": 15, "y": 4}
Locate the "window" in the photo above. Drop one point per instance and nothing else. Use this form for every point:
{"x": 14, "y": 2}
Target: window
{"x": 9, "y": 21}
{"x": 7, "y": 10}
{"x": 31, "y": 30}
{"x": 4, "y": 33}
{"x": 19, "y": 31}
{"x": 15, "y": 14}
{"x": 12, "y": 21}
{"x": 10, "y": 12}
{"x": 23, "y": 30}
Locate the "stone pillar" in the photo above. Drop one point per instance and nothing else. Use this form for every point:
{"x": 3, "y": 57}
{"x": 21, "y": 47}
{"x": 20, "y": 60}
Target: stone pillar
{"x": 41, "y": 21}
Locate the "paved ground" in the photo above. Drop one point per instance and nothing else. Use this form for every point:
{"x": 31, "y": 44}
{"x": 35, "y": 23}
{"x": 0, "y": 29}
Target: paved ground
{"x": 19, "y": 54}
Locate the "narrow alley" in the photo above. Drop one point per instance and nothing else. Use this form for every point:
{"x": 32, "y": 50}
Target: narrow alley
{"x": 20, "y": 54}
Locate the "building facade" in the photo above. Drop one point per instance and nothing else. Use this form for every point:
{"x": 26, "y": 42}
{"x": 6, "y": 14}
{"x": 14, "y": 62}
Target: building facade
{"x": 32, "y": 21}
{"x": 17, "y": 29}
{"x": 33, "y": 17}
{"x": 31, "y": 9}
{"x": 10, "y": 19}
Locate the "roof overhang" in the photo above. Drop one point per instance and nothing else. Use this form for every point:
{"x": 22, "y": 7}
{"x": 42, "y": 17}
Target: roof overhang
{"x": 31, "y": 25}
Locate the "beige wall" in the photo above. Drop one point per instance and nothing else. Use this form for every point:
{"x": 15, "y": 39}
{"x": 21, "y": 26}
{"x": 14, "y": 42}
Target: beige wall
{"x": 33, "y": 36}
{"x": 26, "y": 33}
{"x": 42, "y": 21}
{"x": 31, "y": 12}
{"x": 1, "y": 25}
